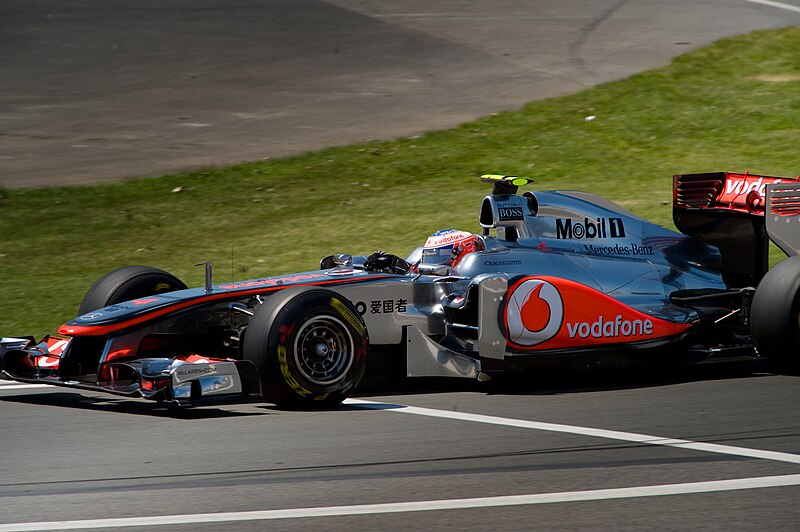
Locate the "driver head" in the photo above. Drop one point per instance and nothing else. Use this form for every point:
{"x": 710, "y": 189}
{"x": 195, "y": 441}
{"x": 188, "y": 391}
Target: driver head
{"x": 449, "y": 246}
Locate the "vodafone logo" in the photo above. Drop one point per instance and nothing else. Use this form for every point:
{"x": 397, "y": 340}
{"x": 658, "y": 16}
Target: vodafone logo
{"x": 736, "y": 187}
{"x": 739, "y": 186}
{"x": 448, "y": 236}
{"x": 534, "y": 313}
{"x": 544, "y": 313}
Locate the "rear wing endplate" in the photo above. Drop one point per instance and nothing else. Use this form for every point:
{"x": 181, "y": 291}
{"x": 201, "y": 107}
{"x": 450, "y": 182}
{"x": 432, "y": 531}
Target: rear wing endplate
{"x": 782, "y": 214}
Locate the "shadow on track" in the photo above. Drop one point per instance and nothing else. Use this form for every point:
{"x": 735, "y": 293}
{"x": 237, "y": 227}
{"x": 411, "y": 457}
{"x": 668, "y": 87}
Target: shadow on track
{"x": 554, "y": 382}
{"x": 125, "y": 406}
{"x": 550, "y": 382}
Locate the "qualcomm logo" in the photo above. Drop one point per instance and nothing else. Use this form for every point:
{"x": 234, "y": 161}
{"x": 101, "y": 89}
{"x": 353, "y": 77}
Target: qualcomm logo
{"x": 534, "y": 313}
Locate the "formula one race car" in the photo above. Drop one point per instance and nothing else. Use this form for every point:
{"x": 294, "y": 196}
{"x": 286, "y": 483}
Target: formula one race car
{"x": 555, "y": 279}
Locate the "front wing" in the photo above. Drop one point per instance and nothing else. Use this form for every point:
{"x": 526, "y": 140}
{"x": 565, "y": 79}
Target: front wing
{"x": 188, "y": 379}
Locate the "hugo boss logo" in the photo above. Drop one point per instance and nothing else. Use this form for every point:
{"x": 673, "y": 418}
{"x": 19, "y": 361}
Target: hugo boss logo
{"x": 509, "y": 211}
{"x": 569, "y": 229}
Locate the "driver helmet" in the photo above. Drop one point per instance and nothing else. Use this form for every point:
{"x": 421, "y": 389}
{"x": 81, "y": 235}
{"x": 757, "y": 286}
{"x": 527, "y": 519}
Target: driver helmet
{"x": 449, "y": 246}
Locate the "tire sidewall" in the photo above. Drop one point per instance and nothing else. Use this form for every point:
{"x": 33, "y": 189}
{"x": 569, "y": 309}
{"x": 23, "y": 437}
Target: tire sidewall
{"x": 775, "y": 311}
{"x": 273, "y": 339}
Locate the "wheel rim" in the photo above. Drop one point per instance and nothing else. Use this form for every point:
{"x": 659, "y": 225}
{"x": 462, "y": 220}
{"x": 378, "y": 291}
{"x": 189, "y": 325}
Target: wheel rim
{"x": 323, "y": 350}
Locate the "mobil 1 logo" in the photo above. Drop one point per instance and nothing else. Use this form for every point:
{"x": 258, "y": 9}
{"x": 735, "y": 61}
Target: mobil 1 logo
{"x": 569, "y": 229}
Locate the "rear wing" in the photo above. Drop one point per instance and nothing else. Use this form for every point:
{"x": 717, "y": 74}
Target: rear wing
{"x": 727, "y": 210}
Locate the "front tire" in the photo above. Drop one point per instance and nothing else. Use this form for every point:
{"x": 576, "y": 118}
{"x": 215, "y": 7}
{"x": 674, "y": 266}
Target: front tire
{"x": 775, "y": 314}
{"x": 127, "y": 283}
{"x": 310, "y": 348}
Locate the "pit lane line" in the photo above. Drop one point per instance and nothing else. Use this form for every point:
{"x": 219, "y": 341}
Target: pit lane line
{"x": 467, "y": 503}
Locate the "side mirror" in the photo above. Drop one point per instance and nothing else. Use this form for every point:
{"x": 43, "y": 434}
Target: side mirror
{"x": 434, "y": 269}
{"x": 343, "y": 259}
{"x": 340, "y": 259}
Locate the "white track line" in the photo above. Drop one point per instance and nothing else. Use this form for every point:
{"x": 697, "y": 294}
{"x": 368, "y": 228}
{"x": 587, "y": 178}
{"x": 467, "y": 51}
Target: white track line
{"x": 582, "y": 431}
{"x": 478, "y": 502}
{"x": 778, "y": 5}
{"x": 416, "y": 506}
{"x": 14, "y": 385}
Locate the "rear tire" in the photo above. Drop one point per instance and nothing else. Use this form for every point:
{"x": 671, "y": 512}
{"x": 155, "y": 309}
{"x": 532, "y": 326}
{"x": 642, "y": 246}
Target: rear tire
{"x": 775, "y": 314}
{"x": 310, "y": 348}
{"x": 127, "y": 283}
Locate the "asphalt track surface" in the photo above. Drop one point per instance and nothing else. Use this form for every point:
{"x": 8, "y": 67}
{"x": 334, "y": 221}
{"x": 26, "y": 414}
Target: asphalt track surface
{"x": 94, "y": 90}
{"x": 598, "y": 455}
{"x": 708, "y": 448}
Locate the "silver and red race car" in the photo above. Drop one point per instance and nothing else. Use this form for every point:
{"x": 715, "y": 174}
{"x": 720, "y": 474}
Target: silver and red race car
{"x": 557, "y": 278}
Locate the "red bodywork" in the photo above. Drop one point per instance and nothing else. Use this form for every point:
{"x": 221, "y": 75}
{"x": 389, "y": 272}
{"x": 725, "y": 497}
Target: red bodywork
{"x": 725, "y": 190}
{"x": 552, "y": 313}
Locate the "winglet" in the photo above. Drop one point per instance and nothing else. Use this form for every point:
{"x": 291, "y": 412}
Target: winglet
{"x": 505, "y": 185}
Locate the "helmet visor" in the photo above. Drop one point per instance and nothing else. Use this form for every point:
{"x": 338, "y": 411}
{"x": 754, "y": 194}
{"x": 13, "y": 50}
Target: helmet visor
{"x": 441, "y": 255}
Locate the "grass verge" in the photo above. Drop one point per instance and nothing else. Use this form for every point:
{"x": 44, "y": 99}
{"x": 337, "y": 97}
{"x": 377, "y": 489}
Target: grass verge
{"x": 734, "y": 105}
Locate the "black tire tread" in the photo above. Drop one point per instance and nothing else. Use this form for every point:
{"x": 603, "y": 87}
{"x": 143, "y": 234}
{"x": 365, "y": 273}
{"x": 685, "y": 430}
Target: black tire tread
{"x": 774, "y": 312}
{"x": 112, "y": 287}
